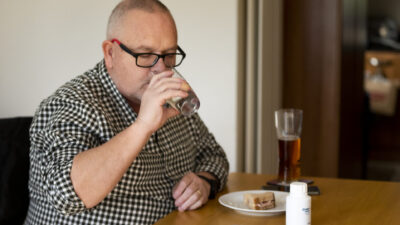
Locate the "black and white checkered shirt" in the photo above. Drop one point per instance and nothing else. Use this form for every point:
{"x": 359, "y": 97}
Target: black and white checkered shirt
{"x": 87, "y": 112}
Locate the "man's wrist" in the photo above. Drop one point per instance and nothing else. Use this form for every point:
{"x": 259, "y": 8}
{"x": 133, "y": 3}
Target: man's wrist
{"x": 214, "y": 185}
{"x": 143, "y": 126}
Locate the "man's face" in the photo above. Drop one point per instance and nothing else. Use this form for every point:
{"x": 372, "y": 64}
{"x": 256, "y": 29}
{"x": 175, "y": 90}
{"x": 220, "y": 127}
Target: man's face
{"x": 141, "y": 32}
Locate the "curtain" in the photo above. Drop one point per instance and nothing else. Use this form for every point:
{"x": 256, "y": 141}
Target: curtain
{"x": 259, "y": 84}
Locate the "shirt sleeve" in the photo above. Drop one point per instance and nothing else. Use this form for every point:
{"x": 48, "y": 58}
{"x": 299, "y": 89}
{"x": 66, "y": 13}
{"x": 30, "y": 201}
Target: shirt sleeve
{"x": 60, "y": 131}
{"x": 210, "y": 155}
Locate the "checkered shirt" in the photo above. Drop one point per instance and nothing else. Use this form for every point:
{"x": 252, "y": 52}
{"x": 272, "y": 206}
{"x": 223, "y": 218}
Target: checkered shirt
{"x": 87, "y": 112}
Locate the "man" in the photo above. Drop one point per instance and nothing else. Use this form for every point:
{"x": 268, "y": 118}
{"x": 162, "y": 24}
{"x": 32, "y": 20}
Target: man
{"x": 106, "y": 150}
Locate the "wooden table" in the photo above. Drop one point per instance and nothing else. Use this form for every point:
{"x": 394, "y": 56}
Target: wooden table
{"x": 342, "y": 202}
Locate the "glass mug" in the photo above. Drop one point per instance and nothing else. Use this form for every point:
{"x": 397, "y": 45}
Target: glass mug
{"x": 288, "y": 123}
{"x": 187, "y": 106}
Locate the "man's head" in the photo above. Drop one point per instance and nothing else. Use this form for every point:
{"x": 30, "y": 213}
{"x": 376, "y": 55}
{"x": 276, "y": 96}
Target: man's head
{"x": 126, "y": 5}
{"x": 143, "y": 26}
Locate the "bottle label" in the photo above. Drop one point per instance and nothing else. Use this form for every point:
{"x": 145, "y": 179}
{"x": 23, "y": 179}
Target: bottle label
{"x": 306, "y": 211}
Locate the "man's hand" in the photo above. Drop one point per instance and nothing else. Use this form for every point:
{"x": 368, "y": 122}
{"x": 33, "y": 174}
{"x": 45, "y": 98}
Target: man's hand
{"x": 190, "y": 192}
{"x": 162, "y": 87}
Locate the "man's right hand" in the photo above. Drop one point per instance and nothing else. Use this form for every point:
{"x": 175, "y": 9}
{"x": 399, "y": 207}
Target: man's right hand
{"x": 162, "y": 87}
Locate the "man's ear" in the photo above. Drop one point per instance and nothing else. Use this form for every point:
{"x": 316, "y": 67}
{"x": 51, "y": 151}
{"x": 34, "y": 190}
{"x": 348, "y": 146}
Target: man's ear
{"x": 108, "y": 53}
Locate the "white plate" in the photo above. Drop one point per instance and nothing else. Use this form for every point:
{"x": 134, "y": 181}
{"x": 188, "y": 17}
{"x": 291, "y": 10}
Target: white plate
{"x": 234, "y": 200}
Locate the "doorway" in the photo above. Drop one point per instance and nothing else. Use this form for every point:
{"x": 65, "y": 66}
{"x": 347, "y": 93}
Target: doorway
{"x": 382, "y": 82}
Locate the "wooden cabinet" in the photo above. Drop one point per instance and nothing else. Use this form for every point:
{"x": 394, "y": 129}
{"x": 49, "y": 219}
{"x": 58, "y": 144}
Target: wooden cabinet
{"x": 390, "y": 67}
{"x": 383, "y": 132}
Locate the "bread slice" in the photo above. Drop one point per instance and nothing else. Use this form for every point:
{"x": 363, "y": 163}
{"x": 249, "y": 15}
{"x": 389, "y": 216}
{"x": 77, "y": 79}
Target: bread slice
{"x": 260, "y": 201}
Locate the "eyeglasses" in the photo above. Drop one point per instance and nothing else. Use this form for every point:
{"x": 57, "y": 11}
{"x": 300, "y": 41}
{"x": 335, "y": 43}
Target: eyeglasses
{"x": 147, "y": 60}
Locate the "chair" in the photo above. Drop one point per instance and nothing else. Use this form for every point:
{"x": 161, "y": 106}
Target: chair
{"x": 14, "y": 169}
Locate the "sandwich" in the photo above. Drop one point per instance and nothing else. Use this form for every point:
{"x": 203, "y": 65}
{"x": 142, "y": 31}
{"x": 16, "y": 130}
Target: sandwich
{"x": 260, "y": 201}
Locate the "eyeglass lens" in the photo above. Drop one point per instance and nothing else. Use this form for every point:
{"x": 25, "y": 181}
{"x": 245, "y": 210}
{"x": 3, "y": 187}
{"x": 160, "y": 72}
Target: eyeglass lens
{"x": 151, "y": 59}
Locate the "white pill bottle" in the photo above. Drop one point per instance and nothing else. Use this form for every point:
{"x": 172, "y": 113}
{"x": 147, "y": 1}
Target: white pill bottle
{"x": 298, "y": 205}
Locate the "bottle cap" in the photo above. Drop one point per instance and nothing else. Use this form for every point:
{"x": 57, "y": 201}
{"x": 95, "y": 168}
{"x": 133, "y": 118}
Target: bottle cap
{"x": 298, "y": 188}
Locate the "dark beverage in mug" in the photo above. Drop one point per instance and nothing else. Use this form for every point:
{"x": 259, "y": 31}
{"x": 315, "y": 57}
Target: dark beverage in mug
{"x": 289, "y": 159}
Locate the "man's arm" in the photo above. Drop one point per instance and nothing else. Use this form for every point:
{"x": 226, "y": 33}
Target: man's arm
{"x": 97, "y": 171}
{"x": 191, "y": 191}
{"x": 74, "y": 168}
{"x": 211, "y": 157}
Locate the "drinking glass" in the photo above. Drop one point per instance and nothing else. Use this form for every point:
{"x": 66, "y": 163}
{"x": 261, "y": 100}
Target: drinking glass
{"x": 288, "y": 124}
{"x": 187, "y": 106}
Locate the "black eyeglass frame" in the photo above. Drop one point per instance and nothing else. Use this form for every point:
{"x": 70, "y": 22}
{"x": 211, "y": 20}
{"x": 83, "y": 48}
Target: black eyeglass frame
{"x": 136, "y": 55}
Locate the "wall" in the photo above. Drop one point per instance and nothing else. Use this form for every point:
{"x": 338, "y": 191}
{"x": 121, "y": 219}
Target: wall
{"x": 45, "y": 43}
{"x": 208, "y": 33}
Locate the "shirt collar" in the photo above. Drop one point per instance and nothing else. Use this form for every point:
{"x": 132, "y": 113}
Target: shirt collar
{"x": 112, "y": 91}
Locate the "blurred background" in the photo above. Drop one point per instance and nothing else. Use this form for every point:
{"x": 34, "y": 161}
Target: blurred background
{"x": 338, "y": 60}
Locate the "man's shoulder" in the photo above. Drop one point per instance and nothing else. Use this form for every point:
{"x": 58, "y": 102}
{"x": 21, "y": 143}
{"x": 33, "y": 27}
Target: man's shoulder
{"x": 86, "y": 87}
{"x": 81, "y": 88}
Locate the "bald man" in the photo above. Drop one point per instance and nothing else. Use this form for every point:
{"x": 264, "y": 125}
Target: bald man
{"x": 106, "y": 150}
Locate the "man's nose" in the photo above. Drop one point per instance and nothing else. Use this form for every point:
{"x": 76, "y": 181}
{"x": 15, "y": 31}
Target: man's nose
{"x": 160, "y": 66}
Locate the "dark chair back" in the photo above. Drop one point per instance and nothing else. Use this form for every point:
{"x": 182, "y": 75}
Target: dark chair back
{"x": 14, "y": 169}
